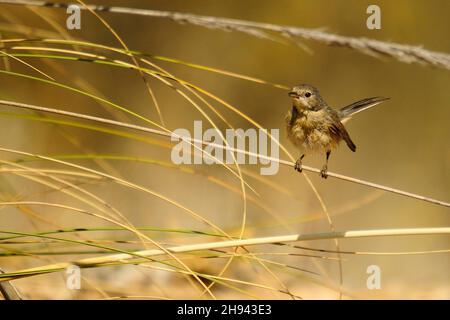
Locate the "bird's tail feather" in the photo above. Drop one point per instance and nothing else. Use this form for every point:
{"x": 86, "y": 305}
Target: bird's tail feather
{"x": 349, "y": 141}
{"x": 360, "y": 105}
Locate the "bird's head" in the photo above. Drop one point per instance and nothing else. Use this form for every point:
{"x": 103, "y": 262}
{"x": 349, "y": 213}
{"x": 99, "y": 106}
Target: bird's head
{"x": 306, "y": 97}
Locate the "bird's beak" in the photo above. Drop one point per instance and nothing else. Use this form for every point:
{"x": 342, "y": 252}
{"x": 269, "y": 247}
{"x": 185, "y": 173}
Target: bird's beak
{"x": 293, "y": 94}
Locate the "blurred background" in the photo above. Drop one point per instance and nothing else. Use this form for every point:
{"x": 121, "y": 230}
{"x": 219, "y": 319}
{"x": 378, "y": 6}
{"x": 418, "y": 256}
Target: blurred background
{"x": 402, "y": 143}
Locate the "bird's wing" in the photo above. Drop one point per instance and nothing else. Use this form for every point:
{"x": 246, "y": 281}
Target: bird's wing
{"x": 338, "y": 129}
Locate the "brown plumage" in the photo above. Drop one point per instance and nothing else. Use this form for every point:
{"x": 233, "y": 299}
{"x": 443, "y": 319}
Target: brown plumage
{"x": 313, "y": 126}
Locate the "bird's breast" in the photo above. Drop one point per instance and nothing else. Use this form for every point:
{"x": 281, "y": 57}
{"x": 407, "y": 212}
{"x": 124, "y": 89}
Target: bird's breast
{"x": 311, "y": 131}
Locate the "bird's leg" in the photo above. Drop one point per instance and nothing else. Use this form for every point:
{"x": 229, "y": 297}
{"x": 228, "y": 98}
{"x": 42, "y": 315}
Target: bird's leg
{"x": 298, "y": 163}
{"x": 324, "y": 170}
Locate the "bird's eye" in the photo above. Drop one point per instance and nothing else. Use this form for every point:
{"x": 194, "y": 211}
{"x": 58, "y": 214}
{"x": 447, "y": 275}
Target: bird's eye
{"x": 308, "y": 94}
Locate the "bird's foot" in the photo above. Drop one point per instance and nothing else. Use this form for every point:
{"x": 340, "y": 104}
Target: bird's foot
{"x": 324, "y": 172}
{"x": 298, "y": 165}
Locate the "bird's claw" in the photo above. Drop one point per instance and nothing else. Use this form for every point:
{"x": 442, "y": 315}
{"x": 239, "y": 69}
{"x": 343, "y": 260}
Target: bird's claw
{"x": 298, "y": 165}
{"x": 324, "y": 172}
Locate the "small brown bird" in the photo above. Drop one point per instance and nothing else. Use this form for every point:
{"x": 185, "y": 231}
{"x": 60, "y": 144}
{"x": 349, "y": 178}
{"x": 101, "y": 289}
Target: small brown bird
{"x": 313, "y": 126}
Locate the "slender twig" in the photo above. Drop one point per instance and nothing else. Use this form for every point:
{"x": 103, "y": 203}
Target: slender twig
{"x": 122, "y": 257}
{"x": 401, "y": 52}
{"x": 192, "y": 140}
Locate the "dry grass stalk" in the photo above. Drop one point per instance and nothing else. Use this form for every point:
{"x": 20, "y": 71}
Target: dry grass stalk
{"x": 401, "y": 52}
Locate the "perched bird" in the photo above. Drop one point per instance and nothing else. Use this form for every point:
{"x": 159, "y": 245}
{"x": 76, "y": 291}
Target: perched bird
{"x": 313, "y": 126}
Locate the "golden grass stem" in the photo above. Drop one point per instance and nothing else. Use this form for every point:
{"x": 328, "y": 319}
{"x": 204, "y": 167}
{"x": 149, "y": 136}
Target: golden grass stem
{"x": 191, "y": 140}
{"x": 105, "y": 260}
{"x": 8, "y": 291}
{"x": 375, "y": 48}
